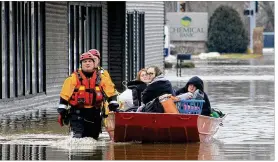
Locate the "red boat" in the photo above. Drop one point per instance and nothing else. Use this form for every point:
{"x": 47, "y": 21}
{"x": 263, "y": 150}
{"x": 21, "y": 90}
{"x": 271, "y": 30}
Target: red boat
{"x": 161, "y": 127}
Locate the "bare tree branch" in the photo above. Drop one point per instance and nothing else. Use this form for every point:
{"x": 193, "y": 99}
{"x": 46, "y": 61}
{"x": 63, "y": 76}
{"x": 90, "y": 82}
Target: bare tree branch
{"x": 265, "y": 16}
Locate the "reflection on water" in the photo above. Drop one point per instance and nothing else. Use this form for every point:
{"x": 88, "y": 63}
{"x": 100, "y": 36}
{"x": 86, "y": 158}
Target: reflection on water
{"x": 96, "y": 154}
{"x": 10, "y": 124}
{"x": 247, "y": 134}
{"x": 34, "y": 121}
{"x": 22, "y": 152}
{"x": 191, "y": 151}
{"x": 153, "y": 152}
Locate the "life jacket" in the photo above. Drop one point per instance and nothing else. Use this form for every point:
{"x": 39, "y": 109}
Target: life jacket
{"x": 87, "y": 92}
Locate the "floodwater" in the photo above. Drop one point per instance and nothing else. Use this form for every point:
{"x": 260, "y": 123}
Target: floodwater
{"x": 243, "y": 89}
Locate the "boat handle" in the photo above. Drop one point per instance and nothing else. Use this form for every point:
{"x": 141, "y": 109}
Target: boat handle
{"x": 127, "y": 117}
{"x": 185, "y": 118}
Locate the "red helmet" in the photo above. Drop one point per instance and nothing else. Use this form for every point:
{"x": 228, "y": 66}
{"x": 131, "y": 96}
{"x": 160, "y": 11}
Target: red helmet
{"x": 94, "y": 52}
{"x": 85, "y": 55}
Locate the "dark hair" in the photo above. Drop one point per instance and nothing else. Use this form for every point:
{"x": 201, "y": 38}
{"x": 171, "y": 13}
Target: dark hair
{"x": 156, "y": 69}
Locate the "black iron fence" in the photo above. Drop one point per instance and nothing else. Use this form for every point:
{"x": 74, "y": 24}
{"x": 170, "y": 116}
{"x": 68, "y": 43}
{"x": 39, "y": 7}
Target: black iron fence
{"x": 22, "y": 54}
{"x": 135, "y": 43}
{"x": 84, "y": 32}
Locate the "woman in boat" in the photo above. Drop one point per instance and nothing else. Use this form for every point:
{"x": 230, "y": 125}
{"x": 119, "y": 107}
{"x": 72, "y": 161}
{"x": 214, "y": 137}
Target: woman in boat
{"x": 138, "y": 86}
{"x": 158, "y": 86}
{"x": 194, "y": 89}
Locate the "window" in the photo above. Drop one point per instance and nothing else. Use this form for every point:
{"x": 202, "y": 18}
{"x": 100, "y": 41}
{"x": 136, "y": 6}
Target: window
{"x": 135, "y": 46}
{"x": 85, "y": 32}
{"x": 22, "y": 49}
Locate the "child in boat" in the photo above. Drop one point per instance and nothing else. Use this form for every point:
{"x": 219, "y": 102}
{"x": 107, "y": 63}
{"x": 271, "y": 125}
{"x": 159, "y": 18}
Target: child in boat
{"x": 194, "y": 89}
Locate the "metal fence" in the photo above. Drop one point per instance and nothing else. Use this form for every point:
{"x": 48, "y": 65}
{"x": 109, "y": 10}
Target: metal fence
{"x": 84, "y": 32}
{"x": 135, "y": 43}
{"x": 22, "y": 54}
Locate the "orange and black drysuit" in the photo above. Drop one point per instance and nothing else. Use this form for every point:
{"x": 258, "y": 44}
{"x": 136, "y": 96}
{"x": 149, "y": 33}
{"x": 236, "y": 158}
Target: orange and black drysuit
{"x": 86, "y": 94}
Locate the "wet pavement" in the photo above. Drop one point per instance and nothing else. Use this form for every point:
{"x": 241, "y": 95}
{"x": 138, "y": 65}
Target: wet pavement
{"x": 242, "y": 88}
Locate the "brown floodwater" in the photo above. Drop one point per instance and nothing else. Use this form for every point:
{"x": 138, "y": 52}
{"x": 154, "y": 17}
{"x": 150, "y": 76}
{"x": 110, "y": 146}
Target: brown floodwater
{"x": 243, "y": 89}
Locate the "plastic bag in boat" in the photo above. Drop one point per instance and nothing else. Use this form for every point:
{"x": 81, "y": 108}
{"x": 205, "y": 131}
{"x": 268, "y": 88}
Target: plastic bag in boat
{"x": 125, "y": 99}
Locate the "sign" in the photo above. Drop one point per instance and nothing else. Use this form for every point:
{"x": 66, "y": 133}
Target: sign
{"x": 187, "y": 26}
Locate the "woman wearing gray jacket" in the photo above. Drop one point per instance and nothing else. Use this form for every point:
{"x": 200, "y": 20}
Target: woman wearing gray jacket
{"x": 157, "y": 87}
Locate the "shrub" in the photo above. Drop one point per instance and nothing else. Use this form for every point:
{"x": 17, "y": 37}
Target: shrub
{"x": 168, "y": 65}
{"x": 226, "y": 32}
{"x": 186, "y": 65}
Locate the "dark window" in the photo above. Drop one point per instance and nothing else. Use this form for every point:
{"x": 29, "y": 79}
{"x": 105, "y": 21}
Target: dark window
{"x": 22, "y": 49}
{"x": 84, "y": 32}
{"x": 135, "y": 47}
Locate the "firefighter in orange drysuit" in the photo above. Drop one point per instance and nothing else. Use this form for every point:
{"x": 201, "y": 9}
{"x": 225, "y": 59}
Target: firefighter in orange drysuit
{"x": 85, "y": 91}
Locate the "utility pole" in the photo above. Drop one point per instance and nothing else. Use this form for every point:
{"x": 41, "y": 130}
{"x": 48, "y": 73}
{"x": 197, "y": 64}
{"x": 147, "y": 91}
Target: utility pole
{"x": 178, "y": 6}
{"x": 252, "y": 21}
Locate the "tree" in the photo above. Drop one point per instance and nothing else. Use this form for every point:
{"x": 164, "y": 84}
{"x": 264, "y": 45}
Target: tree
{"x": 265, "y": 16}
{"x": 226, "y": 32}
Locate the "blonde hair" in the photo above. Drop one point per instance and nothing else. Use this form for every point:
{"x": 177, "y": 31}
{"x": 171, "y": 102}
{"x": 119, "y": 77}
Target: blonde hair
{"x": 139, "y": 73}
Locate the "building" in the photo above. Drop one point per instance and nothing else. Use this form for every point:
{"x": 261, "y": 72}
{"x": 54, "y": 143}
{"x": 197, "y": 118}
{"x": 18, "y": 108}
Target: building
{"x": 206, "y": 7}
{"x": 41, "y": 43}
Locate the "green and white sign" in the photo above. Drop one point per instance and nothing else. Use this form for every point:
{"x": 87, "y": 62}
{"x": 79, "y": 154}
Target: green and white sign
{"x": 188, "y": 26}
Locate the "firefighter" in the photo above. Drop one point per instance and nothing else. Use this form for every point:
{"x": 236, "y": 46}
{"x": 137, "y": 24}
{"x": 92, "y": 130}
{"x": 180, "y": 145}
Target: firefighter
{"x": 85, "y": 91}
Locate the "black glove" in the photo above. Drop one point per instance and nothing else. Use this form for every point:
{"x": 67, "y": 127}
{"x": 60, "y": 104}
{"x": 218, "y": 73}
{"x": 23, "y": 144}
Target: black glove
{"x": 62, "y": 111}
{"x": 113, "y": 105}
{"x": 63, "y": 116}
